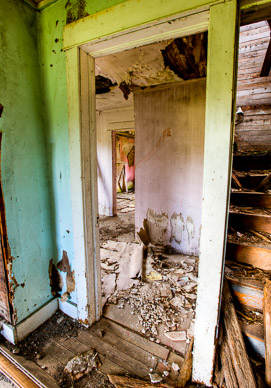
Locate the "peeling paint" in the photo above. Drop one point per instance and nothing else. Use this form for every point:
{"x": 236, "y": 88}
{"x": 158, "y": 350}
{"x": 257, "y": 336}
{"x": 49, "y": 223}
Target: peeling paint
{"x": 190, "y": 228}
{"x": 177, "y": 227}
{"x": 64, "y": 266}
{"x": 56, "y": 281}
{"x": 158, "y": 227}
{"x": 143, "y": 234}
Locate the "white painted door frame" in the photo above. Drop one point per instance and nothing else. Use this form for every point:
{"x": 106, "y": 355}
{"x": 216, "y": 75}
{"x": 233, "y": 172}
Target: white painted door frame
{"x": 80, "y": 67}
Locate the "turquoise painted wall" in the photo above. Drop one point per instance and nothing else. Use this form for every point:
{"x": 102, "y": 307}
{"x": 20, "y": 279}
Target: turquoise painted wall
{"x": 23, "y": 159}
{"x": 51, "y": 21}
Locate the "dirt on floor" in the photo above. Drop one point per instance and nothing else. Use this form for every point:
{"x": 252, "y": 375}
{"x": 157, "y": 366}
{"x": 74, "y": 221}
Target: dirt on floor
{"x": 59, "y": 326}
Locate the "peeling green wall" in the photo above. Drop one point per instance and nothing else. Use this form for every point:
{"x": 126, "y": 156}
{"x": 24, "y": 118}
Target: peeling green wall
{"x": 23, "y": 159}
{"x": 51, "y": 21}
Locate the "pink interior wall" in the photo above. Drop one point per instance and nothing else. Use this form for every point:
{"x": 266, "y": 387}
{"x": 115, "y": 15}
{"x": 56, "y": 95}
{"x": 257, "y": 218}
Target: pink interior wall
{"x": 169, "y": 163}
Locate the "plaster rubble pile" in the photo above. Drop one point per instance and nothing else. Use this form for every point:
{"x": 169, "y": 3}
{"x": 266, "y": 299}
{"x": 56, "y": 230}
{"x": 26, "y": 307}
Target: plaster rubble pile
{"x": 162, "y": 296}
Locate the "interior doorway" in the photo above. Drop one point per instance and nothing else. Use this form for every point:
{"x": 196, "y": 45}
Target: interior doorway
{"x": 150, "y": 139}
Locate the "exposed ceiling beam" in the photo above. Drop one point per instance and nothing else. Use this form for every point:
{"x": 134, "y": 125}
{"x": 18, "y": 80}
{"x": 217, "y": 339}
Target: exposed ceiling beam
{"x": 267, "y": 60}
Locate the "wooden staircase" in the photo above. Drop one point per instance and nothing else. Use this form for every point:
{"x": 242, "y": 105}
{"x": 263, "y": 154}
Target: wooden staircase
{"x": 248, "y": 255}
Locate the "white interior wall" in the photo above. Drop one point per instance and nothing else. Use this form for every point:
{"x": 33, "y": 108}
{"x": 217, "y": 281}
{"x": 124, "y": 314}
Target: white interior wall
{"x": 104, "y": 154}
{"x": 169, "y": 147}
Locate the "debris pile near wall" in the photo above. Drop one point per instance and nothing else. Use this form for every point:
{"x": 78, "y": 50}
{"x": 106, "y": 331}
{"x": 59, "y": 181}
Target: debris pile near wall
{"x": 165, "y": 295}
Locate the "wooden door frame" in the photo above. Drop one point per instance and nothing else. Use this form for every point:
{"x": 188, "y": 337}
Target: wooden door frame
{"x": 109, "y": 32}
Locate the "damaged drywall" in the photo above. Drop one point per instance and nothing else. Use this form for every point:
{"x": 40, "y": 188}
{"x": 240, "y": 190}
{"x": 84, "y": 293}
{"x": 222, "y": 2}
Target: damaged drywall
{"x": 64, "y": 266}
{"x": 169, "y": 125}
{"x": 56, "y": 281}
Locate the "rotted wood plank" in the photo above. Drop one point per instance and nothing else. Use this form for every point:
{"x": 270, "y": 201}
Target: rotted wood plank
{"x": 235, "y": 341}
{"x": 267, "y": 331}
{"x": 261, "y": 223}
{"x": 250, "y": 254}
{"x": 247, "y": 294}
{"x": 256, "y": 199}
{"x": 254, "y": 335}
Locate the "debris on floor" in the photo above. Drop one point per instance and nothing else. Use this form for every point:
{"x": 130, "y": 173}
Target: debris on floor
{"x": 121, "y": 266}
{"x": 166, "y": 296}
{"x": 125, "y": 202}
{"x": 82, "y": 364}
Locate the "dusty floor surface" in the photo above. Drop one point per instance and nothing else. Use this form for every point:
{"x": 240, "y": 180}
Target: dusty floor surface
{"x": 122, "y": 226}
{"x": 59, "y": 326}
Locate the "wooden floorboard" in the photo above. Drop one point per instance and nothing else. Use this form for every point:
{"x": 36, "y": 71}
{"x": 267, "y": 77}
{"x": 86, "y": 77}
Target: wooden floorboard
{"x": 125, "y": 318}
{"x": 58, "y": 351}
{"x": 112, "y": 353}
{"x": 134, "y": 338}
{"x": 121, "y": 350}
{"x": 126, "y": 347}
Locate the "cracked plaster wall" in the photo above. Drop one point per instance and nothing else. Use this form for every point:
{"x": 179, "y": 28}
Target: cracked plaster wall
{"x": 169, "y": 164}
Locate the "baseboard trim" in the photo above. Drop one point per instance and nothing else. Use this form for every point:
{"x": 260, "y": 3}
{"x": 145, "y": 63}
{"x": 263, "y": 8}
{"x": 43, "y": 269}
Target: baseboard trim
{"x": 68, "y": 308}
{"x": 18, "y": 332}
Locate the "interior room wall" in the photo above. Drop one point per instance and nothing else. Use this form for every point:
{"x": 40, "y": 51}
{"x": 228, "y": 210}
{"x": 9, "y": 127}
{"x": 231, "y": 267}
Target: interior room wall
{"x": 169, "y": 125}
{"x": 23, "y": 160}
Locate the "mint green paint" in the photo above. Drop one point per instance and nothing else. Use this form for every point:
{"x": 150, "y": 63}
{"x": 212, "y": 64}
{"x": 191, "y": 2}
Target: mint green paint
{"x": 23, "y": 159}
{"x": 51, "y": 21}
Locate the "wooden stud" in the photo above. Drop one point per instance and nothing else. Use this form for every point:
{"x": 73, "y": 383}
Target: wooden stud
{"x": 267, "y": 331}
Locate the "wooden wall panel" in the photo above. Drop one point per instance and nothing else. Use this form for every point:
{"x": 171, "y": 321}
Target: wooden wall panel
{"x": 253, "y": 91}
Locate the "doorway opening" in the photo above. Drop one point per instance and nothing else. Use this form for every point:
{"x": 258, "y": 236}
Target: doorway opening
{"x": 150, "y": 145}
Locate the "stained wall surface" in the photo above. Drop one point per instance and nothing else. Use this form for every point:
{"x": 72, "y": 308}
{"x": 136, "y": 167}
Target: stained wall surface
{"x": 23, "y": 159}
{"x": 169, "y": 147}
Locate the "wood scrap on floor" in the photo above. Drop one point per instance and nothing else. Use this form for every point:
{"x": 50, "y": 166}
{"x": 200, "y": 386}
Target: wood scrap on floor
{"x": 186, "y": 369}
{"x": 234, "y": 359}
{"x": 267, "y": 331}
